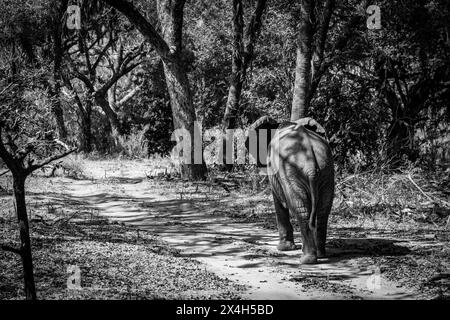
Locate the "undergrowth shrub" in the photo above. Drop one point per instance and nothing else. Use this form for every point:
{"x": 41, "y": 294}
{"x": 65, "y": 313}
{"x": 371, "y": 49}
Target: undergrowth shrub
{"x": 412, "y": 194}
{"x": 133, "y": 145}
{"x": 73, "y": 166}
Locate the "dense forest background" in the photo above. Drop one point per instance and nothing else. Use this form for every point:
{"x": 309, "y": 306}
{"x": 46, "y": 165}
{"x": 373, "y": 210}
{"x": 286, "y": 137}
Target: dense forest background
{"x": 382, "y": 94}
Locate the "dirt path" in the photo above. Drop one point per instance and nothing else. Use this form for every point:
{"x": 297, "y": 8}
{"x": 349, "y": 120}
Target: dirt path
{"x": 243, "y": 252}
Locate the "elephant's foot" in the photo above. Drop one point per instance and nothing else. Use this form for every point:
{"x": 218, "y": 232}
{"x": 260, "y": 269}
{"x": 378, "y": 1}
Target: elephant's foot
{"x": 308, "y": 259}
{"x": 287, "y": 246}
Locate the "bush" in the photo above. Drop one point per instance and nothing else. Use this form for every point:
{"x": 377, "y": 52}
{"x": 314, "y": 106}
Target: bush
{"x": 132, "y": 146}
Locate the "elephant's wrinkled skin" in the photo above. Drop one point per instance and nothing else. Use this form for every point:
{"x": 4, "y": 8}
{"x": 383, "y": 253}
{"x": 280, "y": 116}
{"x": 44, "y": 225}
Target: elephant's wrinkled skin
{"x": 301, "y": 175}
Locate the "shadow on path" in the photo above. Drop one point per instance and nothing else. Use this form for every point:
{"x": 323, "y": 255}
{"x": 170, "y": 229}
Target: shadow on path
{"x": 243, "y": 251}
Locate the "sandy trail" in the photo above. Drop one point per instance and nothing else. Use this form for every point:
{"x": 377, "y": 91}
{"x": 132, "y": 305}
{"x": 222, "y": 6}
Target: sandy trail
{"x": 243, "y": 252}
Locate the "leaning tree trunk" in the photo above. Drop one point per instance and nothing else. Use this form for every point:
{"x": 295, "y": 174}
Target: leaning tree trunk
{"x": 170, "y": 15}
{"x": 25, "y": 248}
{"x": 301, "y": 97}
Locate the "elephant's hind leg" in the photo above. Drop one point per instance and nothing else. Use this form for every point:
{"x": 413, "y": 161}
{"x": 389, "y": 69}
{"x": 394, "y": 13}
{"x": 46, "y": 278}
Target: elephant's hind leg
{"x": 325, "y": 204}
{"x": 309, "y": 246}
{"x": 284, "y": 226}
{"x": 300, "y": 206}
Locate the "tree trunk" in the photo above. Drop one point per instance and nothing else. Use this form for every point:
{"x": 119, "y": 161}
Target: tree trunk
{"x": 26, "y": 44}
{"x": 86, "y": 130}
{"x": 184, "y": 116}
{"x": 399, "y": 143}
{"x": 170, "y": 15}
{"x": 59, "y": 115}
{"x": 400, "y": 137}
{"x": 25, "y": 248}
{"x": 243, "y": 50}
{"x": 234, "y": 95}
{"x": 169, "y": 48}
{"x": 237, "y": 70}
{"x": 236, "y": 83}
{"x": 110, "y": 113}
{"x": 57, "y": 108}
{"x": 57, "y": 59}
{"x": 301, "y": 96}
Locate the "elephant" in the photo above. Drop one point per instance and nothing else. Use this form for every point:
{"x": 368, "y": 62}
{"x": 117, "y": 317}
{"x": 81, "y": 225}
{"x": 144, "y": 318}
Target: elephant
{"x": 301, "y": 175}
{"x": 263, "y": 126}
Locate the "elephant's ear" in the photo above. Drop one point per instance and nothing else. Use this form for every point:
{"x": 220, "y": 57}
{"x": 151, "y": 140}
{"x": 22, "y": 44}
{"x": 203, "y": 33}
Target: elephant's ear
{"x": 264, "y": 123}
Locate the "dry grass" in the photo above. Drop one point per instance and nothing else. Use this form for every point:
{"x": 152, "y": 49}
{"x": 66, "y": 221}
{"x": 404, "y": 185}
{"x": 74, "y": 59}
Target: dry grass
{"x": 410, "y": 207}
{"x": 410, "y": 196}
{"x": 116, "y": 262}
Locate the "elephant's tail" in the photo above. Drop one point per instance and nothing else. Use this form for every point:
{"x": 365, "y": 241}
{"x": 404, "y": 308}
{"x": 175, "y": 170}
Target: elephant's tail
{"x": 314, "y": 196}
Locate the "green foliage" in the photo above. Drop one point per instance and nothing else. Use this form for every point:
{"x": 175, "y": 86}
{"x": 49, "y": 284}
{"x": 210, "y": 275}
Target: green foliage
{"x": 208, "y": 36}
{"x": 149, "y": 110}
{"x": 25, "y": 115}
{"x": 404, "y": 67}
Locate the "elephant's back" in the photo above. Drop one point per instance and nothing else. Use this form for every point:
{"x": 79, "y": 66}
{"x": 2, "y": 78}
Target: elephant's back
{"x": 297, "y": 144}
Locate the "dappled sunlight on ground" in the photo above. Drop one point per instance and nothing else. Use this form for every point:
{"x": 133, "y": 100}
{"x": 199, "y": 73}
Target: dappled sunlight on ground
{"x": 233, "y": 233}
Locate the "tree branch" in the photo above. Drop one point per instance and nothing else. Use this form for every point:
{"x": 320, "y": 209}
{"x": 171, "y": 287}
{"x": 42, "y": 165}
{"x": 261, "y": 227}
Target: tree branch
{"x": 11, "y": 249}
{"x": 253, "y": 28}
{"x": 178, "y": 23}
{"x": 4, "y": 172}
{"x": 347, "y": 31}
{"x": 144, "y": 26}
{"x": 102, "y": 53}
{"x": 5, "y": 155}
{"x": 322, "y": 34}
{"x": 116, "y": 76}
{"x": 86, "y": 56}
{"x": 84, "y": 79}
{"x": 129, "y": 95}
{"x": 44, "y": 162}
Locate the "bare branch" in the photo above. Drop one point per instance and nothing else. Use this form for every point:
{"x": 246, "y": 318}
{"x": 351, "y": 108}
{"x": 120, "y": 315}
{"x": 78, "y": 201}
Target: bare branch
{"x": 11, "y": 249}
{"x": 44, "y": 162}
{"x": 4, "y": 172}
{"x": 144, "y": 26}
{"x": 129, "y": 95}
{"x": 103, "y": 52}
{"x": 426, "y": 195}
{"x": 57, "y": 141}
{"x": 84, "y": 79}
{"x": 123, "y": 71}
{"x": 82, "y": 41}
{"x": 7, "y": 87}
